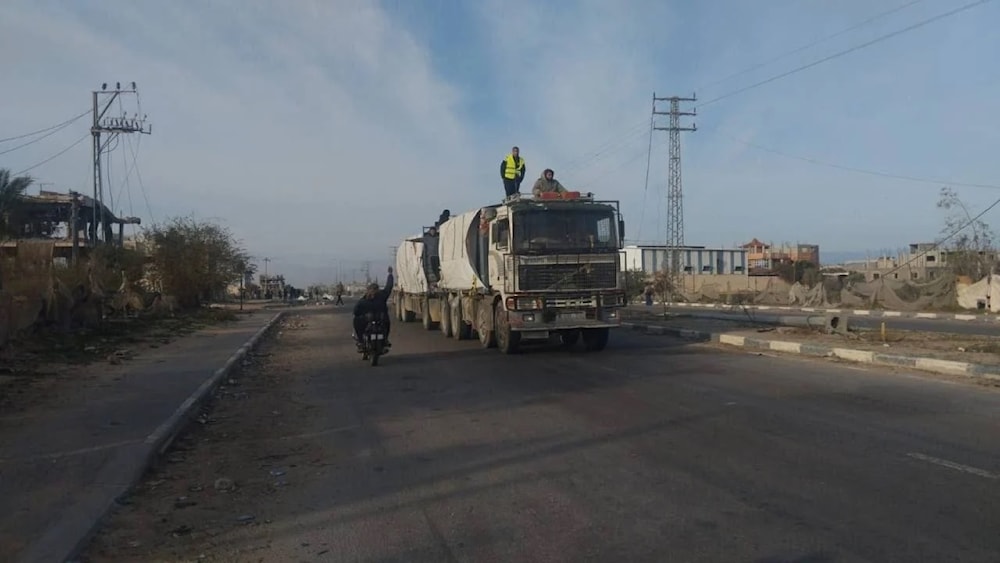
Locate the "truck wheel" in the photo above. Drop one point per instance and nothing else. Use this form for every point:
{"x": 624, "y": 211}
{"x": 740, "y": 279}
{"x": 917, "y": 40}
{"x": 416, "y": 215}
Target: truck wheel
{"x": 445, "y": 324}
{"x": 484, "y": 326}
{"x": 426, "y": 317}
{"x": 400, "y": 311}
{"x": 459, "y": 329}
{"x": 570, "y": 338}
{"x": 595, "y": 339}
{"x": 507, "y": 340}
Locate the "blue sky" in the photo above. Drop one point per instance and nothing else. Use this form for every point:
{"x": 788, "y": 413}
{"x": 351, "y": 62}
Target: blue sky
{"x": 321, "y": 132}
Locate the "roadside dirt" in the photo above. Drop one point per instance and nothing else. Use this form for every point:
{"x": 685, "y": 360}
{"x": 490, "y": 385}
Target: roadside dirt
{"x": 203, "y": 501}
{"x": 942, "y": 346}
{"x": 33, "y": 369}
{"x": 938, "y": 345}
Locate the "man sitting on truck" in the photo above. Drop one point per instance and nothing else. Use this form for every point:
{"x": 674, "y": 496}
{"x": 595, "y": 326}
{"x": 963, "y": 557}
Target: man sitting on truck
{"x": 373, "y": 301}
{"x": 546, "y": 183}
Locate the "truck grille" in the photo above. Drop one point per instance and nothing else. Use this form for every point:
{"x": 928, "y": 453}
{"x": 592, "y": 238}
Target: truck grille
{"x": 557, "y": 277}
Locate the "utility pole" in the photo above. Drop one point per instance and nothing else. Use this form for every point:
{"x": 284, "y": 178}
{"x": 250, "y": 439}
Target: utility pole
{"x": 675, "y": 193}
{"x": 114, "y": 126}
{"x": 368, "y": 271}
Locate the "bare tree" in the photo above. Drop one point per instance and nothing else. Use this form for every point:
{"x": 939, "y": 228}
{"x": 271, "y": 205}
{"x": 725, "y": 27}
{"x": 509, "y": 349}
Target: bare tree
{"x": 972, "y": 246}
{"x": 195, "y": 261}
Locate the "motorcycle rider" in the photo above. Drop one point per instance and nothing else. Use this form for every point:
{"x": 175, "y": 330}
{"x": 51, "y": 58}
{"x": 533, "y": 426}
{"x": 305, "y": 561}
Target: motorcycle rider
{"x": 373, "y": 301}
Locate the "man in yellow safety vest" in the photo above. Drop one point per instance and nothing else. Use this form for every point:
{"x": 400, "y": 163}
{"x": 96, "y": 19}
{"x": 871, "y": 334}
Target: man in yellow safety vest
{"x": 512, "y": 171}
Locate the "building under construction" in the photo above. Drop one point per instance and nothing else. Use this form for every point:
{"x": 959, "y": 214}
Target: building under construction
{"x": 71, "y": 221}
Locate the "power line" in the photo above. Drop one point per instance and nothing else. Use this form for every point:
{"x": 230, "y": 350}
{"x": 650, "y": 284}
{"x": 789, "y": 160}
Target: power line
{"x": 945, "y": 239}
{"x": 649, "y": 160}
{"x": 812, "y": 44}
{"x": 33, "y": 141}
{"x": 138, "y": 175}
{"x": 58, "y": 154}
{"x": 847, "y": 51}
{"x": 57, "y": 125}
{"x": 863, "y": 170}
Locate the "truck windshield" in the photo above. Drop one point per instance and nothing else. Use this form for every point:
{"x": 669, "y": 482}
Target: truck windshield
{"x": 564, "y": 230}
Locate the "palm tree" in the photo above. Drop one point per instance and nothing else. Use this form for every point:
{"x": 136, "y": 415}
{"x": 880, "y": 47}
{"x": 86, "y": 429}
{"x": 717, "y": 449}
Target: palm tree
{"x": 12, "y": 192}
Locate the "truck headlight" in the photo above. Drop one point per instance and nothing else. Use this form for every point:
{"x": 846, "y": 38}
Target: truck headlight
{"x": 525, "y": 303}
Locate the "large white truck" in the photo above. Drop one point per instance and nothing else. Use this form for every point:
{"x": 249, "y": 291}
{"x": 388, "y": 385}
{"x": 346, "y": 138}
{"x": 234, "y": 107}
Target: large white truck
{"x": 519, "y": 271}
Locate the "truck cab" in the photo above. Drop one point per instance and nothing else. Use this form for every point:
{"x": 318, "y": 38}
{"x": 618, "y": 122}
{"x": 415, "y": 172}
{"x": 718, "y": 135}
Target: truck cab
{"x": 555, "y": 265}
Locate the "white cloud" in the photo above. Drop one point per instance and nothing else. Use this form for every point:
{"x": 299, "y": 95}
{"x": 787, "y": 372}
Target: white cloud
{"x": 329, "y": 128}
{"x": 307, "y": 125}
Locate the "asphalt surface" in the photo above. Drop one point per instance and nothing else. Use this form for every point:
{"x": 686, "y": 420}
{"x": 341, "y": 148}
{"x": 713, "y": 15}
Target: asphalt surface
{"x": 860, "y": 321}
{"x": 62, "y": 460}
{"x": 653, "y": 450}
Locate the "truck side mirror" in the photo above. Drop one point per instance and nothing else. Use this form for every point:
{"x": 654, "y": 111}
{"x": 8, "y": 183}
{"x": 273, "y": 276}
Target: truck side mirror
{"x": 621, "y": 231}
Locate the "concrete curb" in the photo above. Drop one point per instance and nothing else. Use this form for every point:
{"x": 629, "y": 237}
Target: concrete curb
{"x": 876, "y": 313}
{"x": 975, "y": 371}
{"x": 65, "y": 540}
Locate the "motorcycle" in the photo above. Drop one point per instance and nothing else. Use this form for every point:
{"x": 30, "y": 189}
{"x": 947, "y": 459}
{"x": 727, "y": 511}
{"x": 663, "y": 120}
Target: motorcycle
{"x": 372, "y": 342}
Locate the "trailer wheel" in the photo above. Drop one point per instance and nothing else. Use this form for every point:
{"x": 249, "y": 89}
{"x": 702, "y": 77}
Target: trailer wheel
{"x": 459, "y": 329}
{"x": 508, "y": 341}
{"x": 445, "y": 324}
{"x": 428, "y": 323}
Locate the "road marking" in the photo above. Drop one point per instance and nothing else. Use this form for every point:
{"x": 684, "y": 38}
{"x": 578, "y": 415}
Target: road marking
{"x": 82, "y": 451}
{"x": 953, "y": 465}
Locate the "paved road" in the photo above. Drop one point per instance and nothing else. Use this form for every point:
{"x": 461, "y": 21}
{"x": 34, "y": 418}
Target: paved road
{"x": 654, "y": 450}
{"x": 926, "y": 325}
{"x": 63, "y": 459}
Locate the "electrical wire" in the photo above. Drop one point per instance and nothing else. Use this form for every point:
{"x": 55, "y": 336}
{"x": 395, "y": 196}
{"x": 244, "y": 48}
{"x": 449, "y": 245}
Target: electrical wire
{"x": 57, "y": 125}
{"x": 603, "y": 148}
{"x": 944, "y": 240}
{"x": 58, "y": 154}
{"x": 862, "y": 170}
{"x": 812, "y": 44}
{"x": 839, "y": 54}
{"x": 138, "y": 175}
{"x": 33, "y": 141}
{"x": 645, "y": 188}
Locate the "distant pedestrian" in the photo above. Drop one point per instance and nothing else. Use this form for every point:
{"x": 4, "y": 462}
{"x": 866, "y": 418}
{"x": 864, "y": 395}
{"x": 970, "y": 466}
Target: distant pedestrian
{"x": 649, "y": 295}
{"x": 512, "y": 172}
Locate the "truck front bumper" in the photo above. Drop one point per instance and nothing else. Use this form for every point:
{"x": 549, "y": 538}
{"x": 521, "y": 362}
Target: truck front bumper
{"x": 554, "y": 320}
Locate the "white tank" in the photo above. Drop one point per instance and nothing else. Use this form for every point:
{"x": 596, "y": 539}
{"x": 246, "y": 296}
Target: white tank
{"x": 458, "y": 240}
{"x": 409, "y": 266}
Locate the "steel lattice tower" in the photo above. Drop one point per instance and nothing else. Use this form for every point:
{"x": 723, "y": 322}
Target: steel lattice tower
{"x": 675, "y": 191}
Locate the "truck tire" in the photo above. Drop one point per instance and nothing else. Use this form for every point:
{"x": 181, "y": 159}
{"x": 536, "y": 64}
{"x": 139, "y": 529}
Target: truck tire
{"x": 570, "y": 338}
{"x": 426, "y": 317}
{"x": 484, "y": 327}
{"x": 508, "y": 341}
{"x": 595, "y": 339}
{"x": 460, "y": 330}
{"x": 445, "y": 324}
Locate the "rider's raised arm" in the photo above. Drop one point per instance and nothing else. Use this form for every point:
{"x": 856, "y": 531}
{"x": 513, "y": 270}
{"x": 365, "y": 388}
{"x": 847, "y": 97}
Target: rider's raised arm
{"x": 389, "y": 282}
